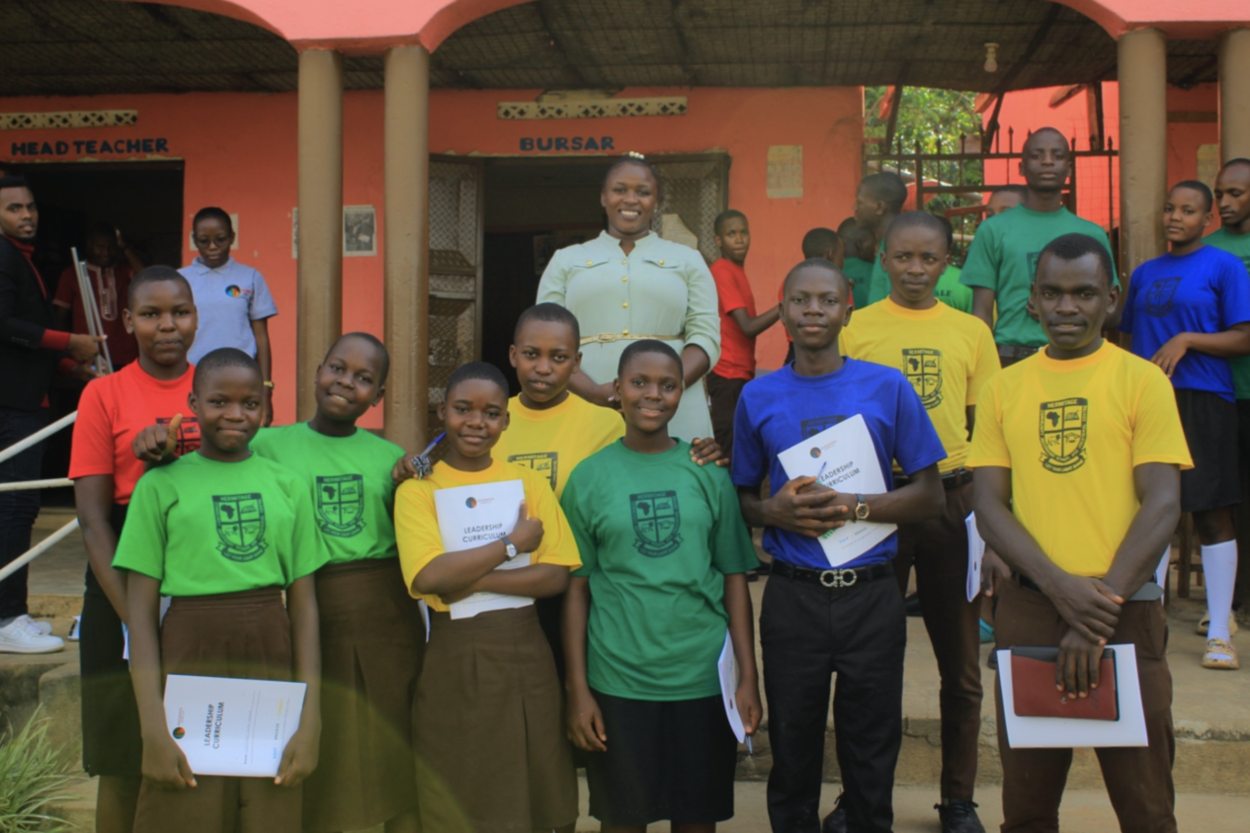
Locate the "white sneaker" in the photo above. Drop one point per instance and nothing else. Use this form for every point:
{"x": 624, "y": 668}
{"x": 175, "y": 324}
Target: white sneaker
{"x": 26, "y": 637}
{"x": 45, "y": 628}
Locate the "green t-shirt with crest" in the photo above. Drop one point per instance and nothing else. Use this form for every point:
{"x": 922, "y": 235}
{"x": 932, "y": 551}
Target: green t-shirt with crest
{"x": 1239, "y": 245}
{"x": 350, "y": 480}
{"x": 203, "y": 527}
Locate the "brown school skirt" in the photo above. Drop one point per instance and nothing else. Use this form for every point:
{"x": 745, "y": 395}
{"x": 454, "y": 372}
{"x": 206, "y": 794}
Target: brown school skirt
{"x": 244, "y": 635}
{"x": 372, "y": 641}
{"x": 492, "y": 753}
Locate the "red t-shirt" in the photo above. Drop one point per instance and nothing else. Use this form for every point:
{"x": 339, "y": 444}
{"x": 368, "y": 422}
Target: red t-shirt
{"x": 733, "y": 290}
{"x": 110, "y": 285}
{"x": 112, "y": 412}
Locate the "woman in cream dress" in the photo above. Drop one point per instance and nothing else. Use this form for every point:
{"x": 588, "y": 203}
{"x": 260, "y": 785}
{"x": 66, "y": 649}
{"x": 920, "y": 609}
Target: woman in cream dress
{"x": 628, "y": 284}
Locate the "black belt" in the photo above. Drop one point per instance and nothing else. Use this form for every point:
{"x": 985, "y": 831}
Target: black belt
{"x": 950, "y": 480}
{"x": 1148, "y": 592}
{"x": 1015, "y": 351}
{"x": 834, "y": 578}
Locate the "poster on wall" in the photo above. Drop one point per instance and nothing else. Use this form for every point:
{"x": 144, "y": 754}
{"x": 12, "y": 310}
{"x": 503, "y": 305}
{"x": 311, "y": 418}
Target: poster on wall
{"x": 785, "y": 172}
{"x": 360, "y": 238}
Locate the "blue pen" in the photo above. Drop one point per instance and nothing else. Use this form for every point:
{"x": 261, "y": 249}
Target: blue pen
{"x": 822, "y": 470}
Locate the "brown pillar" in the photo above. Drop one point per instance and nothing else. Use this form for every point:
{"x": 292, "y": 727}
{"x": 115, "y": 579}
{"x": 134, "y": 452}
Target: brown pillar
{"x": 1143, "y": 146}
{"x": 406, "y": 237}
{"x": 1235, "y": 95}
{"x": 319, "y": 292}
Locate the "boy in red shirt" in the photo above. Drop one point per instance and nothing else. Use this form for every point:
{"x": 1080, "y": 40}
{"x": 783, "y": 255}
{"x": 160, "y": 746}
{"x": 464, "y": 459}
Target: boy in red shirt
{"x": 739, "y": 325}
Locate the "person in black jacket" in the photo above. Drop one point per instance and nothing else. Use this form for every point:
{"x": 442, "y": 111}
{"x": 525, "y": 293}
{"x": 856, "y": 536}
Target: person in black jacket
{"x": 30, "y": 352}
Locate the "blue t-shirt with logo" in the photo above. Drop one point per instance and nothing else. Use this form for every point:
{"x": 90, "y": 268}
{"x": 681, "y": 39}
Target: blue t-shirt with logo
{"x": 779, "y": 410}
{"x": 1202, "y": 292}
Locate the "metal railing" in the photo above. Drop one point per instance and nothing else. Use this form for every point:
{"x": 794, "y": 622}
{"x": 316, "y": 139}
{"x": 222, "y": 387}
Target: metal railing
{"x": 58, "y": 536}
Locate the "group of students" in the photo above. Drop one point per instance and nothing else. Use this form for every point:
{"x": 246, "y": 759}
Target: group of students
{"x": 643, "y": 539}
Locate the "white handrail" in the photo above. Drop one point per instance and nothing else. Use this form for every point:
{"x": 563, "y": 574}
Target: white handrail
{"x": 54, "y": 483}
{"x": 38, "y": 436}
{"x": 38, "y": 550}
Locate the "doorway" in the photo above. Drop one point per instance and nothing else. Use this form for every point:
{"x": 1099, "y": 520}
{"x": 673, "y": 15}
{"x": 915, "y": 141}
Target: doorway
{"x": 143, "y": 200}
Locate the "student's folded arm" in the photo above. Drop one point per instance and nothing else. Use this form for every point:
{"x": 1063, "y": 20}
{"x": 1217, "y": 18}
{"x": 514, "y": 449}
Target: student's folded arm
{"x": 1158, "y": 487}
{"x": 539, "y": 581}
{"x": 1083, "y": 605}
{"x": 451, "y": 572}
{"x": 164, "y": 763}
{"x": 93, "y": 495}
{"x": 302, "y": 751}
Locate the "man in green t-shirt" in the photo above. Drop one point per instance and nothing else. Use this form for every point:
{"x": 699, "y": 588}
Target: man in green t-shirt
{"x": 948, "y": 289}
{"x": 861, "y": 252}
{"x": 1232, "y": 197}
{"x": 1003, "y": 258}
{"x": 878, "y": 200}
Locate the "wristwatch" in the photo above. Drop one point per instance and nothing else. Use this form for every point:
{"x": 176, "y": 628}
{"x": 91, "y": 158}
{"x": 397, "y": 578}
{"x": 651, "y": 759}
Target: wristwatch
{"x": 509, "y": 548}
{"x": 861, "y": 508}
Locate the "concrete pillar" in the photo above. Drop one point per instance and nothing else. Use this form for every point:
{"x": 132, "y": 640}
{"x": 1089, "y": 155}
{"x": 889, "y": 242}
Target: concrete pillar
{"x": 406, "y": 244}
{"x": 1235, "y": 95}
{"x": 319, "y": 291}
{"x": 1143, "y": 146}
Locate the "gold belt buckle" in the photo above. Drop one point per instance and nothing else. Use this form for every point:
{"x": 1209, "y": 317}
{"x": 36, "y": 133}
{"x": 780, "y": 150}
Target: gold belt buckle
{"x": 838, "y": 578}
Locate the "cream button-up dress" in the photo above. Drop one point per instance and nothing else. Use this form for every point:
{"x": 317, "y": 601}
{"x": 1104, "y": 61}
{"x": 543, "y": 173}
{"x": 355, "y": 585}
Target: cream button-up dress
{"x": 660, "y": 289}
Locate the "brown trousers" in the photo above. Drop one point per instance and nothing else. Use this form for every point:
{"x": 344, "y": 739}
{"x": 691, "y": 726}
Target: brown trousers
{"x": 1138, "y": 779}
{"x": 939, "y": 551}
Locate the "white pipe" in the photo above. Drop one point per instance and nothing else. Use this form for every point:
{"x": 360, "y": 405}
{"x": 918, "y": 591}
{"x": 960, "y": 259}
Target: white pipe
{"x": 40, "y": 435}
{"x": 36, "y": 484}
{"x": 38, "y": 550}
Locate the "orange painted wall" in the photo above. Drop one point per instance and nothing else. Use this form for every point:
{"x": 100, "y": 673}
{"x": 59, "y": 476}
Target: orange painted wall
{"x": 240, "y": 152}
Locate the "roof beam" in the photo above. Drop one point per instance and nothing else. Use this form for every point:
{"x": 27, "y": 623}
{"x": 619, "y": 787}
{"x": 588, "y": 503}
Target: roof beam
{"x": 569, "y": 64}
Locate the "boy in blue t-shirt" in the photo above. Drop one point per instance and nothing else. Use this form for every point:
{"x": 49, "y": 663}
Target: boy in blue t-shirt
{"x": 1188, "y": 311}
{"x": 848, "y": 620}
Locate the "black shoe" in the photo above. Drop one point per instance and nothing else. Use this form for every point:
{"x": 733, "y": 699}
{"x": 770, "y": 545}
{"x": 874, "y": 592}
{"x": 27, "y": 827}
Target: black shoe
{"x": 835, "y": 822}
{"x": 912, "y": 605}
{"x": 959, "y": 817}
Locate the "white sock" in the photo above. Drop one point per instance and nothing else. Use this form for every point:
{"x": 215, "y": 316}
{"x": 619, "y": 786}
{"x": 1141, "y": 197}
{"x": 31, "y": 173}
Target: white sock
{"x": 1219, "y": 569}
{"x": 1161, "y": 572}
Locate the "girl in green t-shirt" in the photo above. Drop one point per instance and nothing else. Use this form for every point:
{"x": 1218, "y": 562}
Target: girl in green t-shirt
{"x": 665, "y": 554}
{"x": 223, "y": 532}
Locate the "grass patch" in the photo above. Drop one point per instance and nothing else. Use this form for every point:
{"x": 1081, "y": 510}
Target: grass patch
{"x": 33, "y": 776}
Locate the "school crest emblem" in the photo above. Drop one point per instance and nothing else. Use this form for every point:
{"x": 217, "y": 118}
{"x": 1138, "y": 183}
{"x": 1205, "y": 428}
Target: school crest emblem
{"x": 1160, "y": 295}
{"x": 341, "y": 505}
{"x": 1062, "y": 429}
{"x": 812, "y": 427}
{"x": 545, "y": 463}
{"x": 923, "y": 368}
{"x": 240, "y": 525}
{"x": 657, "y": 523}
{"x": 188, "y": 434}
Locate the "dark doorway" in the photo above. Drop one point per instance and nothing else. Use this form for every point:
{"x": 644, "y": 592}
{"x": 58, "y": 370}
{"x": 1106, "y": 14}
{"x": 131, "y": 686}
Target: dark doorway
{"x": 143, "y": 200}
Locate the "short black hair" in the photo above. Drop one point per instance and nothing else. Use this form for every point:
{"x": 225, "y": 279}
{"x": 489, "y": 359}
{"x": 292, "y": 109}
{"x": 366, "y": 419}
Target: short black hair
{"x": 156, "y": 274}
{"x": 855, "y": 238}
{"x": 820, "y": 240}
{"x": 725, "y": 216}
{"x": 551, "y": 313}
{"x": 485, "y": 371}
{"x": 886, "y": 187}
{"x": 921, "y": 219}
{"x": 1074, "y": 246}
{"x": 636, "y": 159}
{"x": 646, "y": 345}
{"x": 1042, "y": 130}
{"x": 212, "y": 212}
{"x": 1021, "y": 191}
{"x": 374, "y": 342}
{"x": 820, "y": 263}
{"x": 1240, "y": 160}
{"x": 1208, "y": 199}
{"x": 14, "y": 181}
{"x": 220, "y": 359}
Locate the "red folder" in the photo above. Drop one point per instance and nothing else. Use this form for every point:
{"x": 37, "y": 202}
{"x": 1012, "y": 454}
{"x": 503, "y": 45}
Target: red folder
{"x": 1035, "y": 695}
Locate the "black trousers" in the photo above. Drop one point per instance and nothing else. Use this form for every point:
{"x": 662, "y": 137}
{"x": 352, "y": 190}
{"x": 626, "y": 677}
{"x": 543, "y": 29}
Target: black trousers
{"x": 19, "y": 509}
{"x": 810, "y": 633}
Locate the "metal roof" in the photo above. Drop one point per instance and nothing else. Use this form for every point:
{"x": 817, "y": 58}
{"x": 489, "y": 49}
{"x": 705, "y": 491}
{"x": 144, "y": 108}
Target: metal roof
{"x": 73, "y": 47}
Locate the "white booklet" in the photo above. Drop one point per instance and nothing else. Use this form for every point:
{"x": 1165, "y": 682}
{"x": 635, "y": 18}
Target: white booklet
{"x": 234, "y": 727}
{"x": 976, "y": 553}
{"x": 727, "y": 669}
{"x": 470, "y": 516}
{"x": 842, "y": 458}
{"x": 1067, "y": 732}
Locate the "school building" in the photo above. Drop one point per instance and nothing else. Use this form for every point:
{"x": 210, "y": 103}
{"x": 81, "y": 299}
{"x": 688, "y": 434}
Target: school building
{"x": 407, "y": 166}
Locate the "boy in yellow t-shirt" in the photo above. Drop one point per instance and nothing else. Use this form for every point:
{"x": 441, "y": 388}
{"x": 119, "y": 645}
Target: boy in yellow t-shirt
{"x": 1078, "y": 451}
{"x": 947, "y": 355}
{"x": 491, "y": 727}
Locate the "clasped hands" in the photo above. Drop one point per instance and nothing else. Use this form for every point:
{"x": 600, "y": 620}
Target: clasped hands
{"x": 1091, "y": 610}
{"x": 805, "y": 507}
